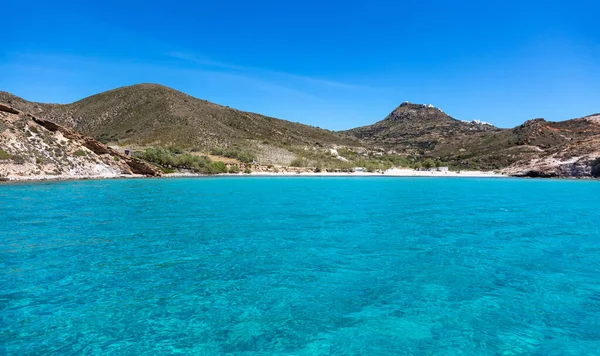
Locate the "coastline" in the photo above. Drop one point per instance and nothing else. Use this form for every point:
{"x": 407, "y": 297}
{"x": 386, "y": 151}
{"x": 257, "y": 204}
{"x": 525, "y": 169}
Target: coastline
{"x": 63, "y": 177}
{"x": 388, "y": 173}
{"x": 398, "y": 173}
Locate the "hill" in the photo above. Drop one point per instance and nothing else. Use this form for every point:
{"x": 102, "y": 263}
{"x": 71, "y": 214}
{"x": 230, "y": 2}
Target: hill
{"x": 417, "y": 127}
{"x": 34, "y": 148}
{"x": 151, "y": 114}
{"x": 418, "y": 130}
{"x": 568, "y": 148}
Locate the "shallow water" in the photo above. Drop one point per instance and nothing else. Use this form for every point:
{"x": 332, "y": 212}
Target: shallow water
{"x": 301, "y": 266}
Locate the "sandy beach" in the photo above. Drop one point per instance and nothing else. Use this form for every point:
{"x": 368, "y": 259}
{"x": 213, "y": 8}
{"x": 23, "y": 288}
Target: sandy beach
{"x": 388, "y": 173}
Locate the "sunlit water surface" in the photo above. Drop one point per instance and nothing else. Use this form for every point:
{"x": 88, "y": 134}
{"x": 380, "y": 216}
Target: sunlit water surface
{"x": 300, "y": 266}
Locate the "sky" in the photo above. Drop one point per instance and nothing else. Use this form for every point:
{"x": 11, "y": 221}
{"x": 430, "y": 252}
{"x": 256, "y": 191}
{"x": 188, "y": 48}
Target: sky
{"x": 331, "y": 64}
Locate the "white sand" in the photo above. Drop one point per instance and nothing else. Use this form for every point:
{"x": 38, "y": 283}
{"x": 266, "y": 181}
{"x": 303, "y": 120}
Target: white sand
{"x": 388, "y": 173}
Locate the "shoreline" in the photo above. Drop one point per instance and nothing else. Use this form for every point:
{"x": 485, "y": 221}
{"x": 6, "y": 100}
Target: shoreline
{"x": 464, "y": 174}
{"x": 389, "y": 173}
{"x": 60, "y": 178}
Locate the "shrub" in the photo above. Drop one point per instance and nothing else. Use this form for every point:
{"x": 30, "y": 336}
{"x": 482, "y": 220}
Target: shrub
{"x": 234, "y": 168}
{"x": 166, "y": 159}
{"x": 242, "y": 156}
{"x": 299, "y": 162}
{"x": 217, "y": 167}
{"x": 372, "y": 167}
{"x": 428, "y": 163}
{"x": 17, "y": 159}
{"x": 80, "y": 153}
{"x": 247, "y": 171}
{"x": 4, "y": 154}
{"x": 176, "y": 149}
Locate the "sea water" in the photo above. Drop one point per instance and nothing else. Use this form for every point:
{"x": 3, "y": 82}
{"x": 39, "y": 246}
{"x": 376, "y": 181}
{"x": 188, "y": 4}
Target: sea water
{"x": 300, "y": 266}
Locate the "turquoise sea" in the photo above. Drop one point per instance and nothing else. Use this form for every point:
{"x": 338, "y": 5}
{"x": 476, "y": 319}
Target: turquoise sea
{"x": 300, "y": 266}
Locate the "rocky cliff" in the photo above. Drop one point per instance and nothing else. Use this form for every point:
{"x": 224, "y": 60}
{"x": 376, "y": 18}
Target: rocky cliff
{"x": 565, "y": 149}
{"x": 32, "y": 148}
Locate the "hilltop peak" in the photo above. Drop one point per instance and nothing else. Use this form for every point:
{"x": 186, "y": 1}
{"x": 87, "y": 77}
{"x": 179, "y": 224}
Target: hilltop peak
{"x": 409, "y": 105}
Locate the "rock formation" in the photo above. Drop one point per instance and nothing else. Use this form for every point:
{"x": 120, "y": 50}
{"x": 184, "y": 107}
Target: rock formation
{"x": 32, "y": 148}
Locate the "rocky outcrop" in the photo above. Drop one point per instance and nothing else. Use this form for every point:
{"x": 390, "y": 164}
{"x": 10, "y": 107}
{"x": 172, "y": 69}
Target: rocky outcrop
{"x": 8, "y": 109}
{"x": 579, "y": 167}
{"x": 566, "y": 149}
{"x": 32, "y": 148}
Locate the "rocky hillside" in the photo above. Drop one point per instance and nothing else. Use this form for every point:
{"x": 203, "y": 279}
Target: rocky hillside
{"x": 32, "y": 148}
{"x": 150, "y": 114}
{"x": 417, "y": 128}
{"x": 563, "y": 149}
{"x": 529, "y": 149}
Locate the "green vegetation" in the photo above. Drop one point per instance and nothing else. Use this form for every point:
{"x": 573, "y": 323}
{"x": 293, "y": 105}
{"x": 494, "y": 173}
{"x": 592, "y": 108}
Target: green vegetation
{"x": 245, "y": 157}
{"x": 80, "y": 153}
{"x": 323, "y": 160}
{"x": 247, "y": 171}
{"x": 234, "y": 168}
{"x": 167, "y": 160}
{"x": 301, "y": 162}
{"x": 218, "y": 167}
{"x": 176, "y": 150}
{"x": 428, "y": 163}
{"x": 4, "y": 154}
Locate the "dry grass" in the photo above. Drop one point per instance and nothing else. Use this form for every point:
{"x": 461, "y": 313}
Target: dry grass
{"x": 150, "y": 114}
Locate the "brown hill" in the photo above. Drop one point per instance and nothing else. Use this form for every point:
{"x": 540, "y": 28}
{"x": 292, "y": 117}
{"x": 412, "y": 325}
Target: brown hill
{"x": 417, "y": 128}
{"x": 154, "y": 114}
{"x": 424, "y": 131}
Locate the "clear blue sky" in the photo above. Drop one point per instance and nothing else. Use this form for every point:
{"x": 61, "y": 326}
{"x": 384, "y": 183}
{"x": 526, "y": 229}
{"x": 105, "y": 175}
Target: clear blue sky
{"x": 333, "y": 64}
